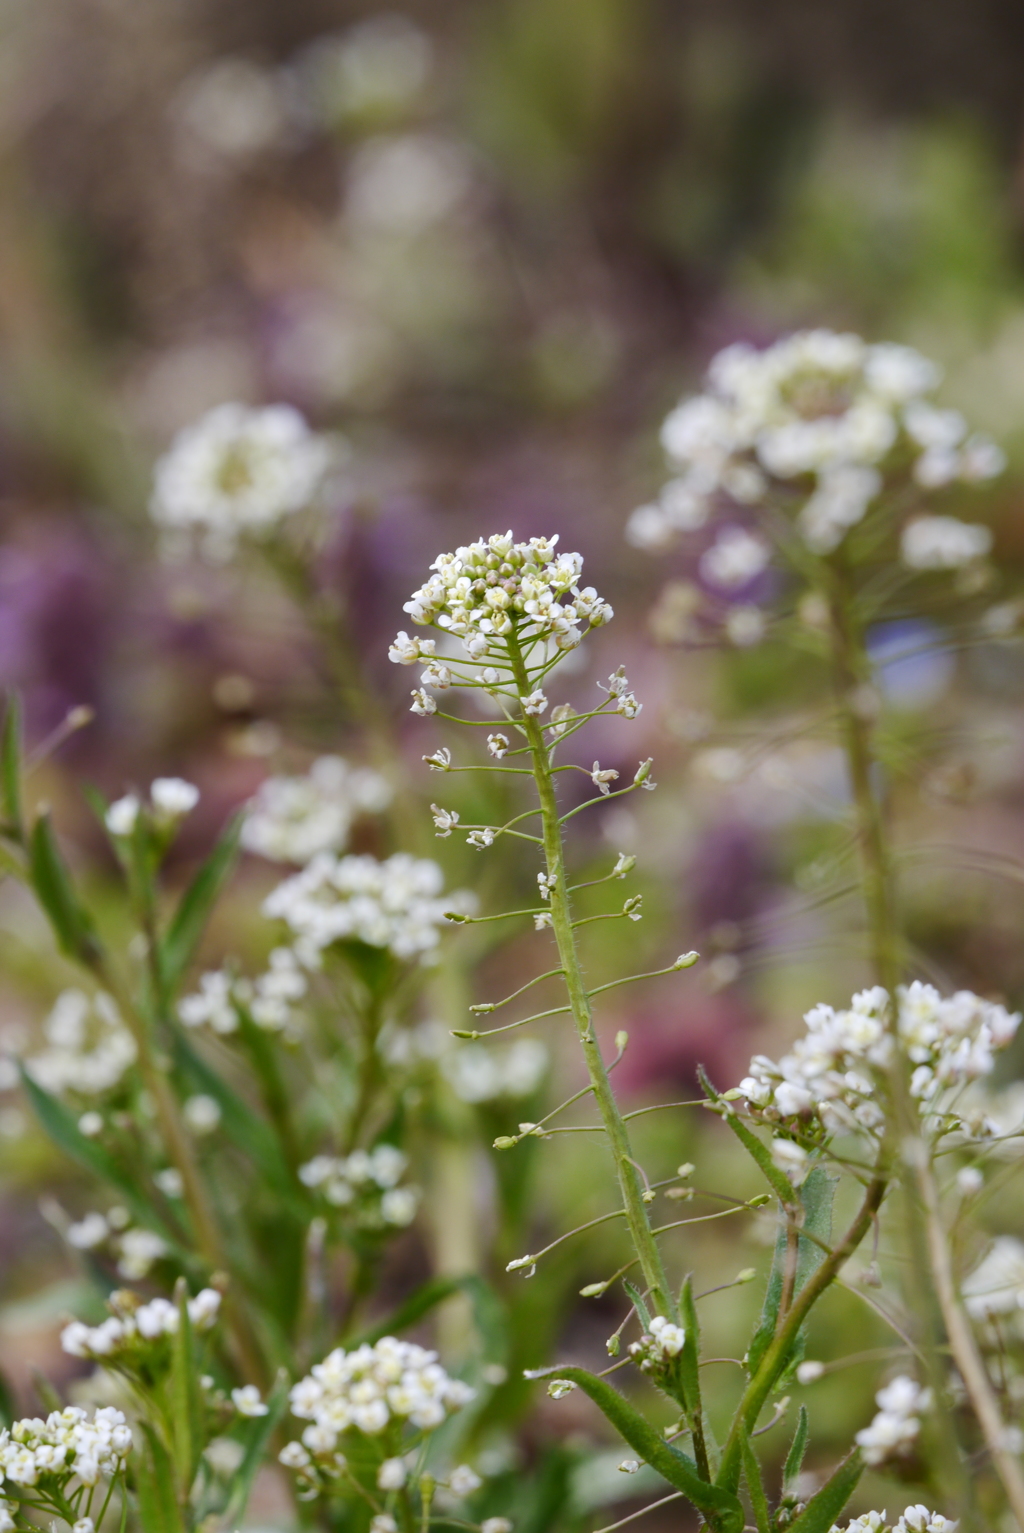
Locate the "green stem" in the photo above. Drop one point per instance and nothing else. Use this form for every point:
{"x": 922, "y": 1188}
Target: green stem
{"x": 630, "y": 1186}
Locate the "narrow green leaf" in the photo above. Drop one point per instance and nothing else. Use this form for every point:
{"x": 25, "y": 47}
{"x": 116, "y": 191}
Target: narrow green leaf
{"x": 798, "y": 1447}
{"x": 54, "y": 890}
{"x": 10, "y": 769}
{"x": 636, "y": 1299}
{"x": 689, "y": 1358}
{"x": 154, "y": 1484}
{"x": 61, "y": 1124}
{"x": 8, "y": 1413}
{"x": 755, "y": 1485}
{"x": 261, "y": 1431}
{"x": 189, "y": 920}
{"x": 186, "y": 1400}
{"x": 722, "y": 1509}
{"x": 49, "y": 1399}
{"x": 777, "y": 1180}
{"x": 822, "y": 1510}
{"x": 816, "y": 1197}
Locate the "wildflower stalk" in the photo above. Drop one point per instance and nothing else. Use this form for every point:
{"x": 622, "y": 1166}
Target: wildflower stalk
{"x": 641, "y": 1233}
{"x": 926, "y": 1230}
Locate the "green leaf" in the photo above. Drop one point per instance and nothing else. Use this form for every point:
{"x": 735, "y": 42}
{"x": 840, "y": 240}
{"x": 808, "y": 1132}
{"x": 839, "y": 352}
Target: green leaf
{"x": 723, "y": 1511}
{"x": 189, "y": 920}
{"x": 816, "y": 1196}
{"x": 72, "y": 925}
{"x": 154, "y": 1484}
{"x": 186, "y": 1401}
{"x": 636, "y": 1299}
{"x": 10, "y": 769}
{"x": 777, "y": 1180}
{"x": 755, "y": 1485}
{"x": 689, "y": 1365}
{"x": 426, "y": 1298}
{"x": 61, "y": 1124}
{"x": 798, "y": 1447}
{"x": 822, "y": 1510}
{"x": 8, "y": 1414}
{"x": 263, "y": 1428}
{"x": 246, "y": 1129}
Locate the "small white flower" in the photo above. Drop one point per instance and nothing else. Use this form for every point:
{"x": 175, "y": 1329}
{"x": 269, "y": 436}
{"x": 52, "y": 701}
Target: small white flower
{"x": 735, "y": 559}
{"x": 406, "y": 651}
{"x": 969, "y": 1180}
{"x": 90, "y": 1124}
{"x": 943, "y": 543}
{"x": 173, "y": 797}
{"x": 790, "y": 1159}
{"x": 463, "y": 1481}
{"x": 248, "y": 1402}
{"x": 601, "y": 777}
{"x": 437, "y": 676}
{"x": 391, "y": 1475}
{"x": 440, "y": 761}
{"x": 535, "y": 703}
{"x": 444, "y": 819}
{"x": 201, "y": 1113}
{"x": 383, "y": 1523}
{"x": 88, "y": 1233}
{"x": 294, "y": 1456}
{"x": 626, "y": 703}
{"x": 422, "y": 703}
{"x": 496, "y": 1525}
{"x": 481, "y": 838}
{"x": 497, "y": 745}
{"x": 84, "y": 1525}
{"x": 121, "y": 816}
{"x": 629, "y": 1466}
{"x": 667, "y": 1337}
{"x": 809, "y": 1371}
{"x": 169, "y": 1182}
{"x": 542, "y": 920}
{"x": 545, "y": 883}
{"x": 398, "y": 1206}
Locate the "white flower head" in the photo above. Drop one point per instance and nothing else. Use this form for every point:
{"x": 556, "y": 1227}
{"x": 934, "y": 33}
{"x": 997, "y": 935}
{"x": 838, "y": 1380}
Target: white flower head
{"x": 89, "y": 1049}
{"x": 248, "y": 1401}
{"x": 173, "y": 797}
{"x": 943, "y": 543}
{"x": 291, "y": 819}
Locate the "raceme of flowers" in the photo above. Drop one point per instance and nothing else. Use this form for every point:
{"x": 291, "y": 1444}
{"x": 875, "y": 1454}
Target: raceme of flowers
{"x": 89, "y": 1047}
{"x": 291, "y": 819}
{"x": 367, "y": 1182}
{"x": 828, "y": 1073}
{"x": 66, "y": 1445}
{"x": 395, "y": 904}
{"x": 365, "y": 1390}
{"x": 895, "y": 1427}
{"x": 483, "y": 591}
{"x": 269, "y": 999}
{"x": 916, "y": 1519}
{"x": 132, "y": 1330}
{"x": 817, "y": 418}
{"x": 238, "y": 471}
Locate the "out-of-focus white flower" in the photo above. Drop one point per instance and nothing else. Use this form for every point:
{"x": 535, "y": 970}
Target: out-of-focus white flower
{"x": 138, "y": 1249}
{"x": 791, "y": 1159}
{"x": 292, "y": 818}
{"x": 496, "y": 1525}
{"x": 943, "y": 543}
{"x": 88, "y": 1233}
{"x": 744, "y": 626}
{"x": 395, "y": 904}
{"x": 89, "y": 1049}
{"x": 373, "y": 69}
{"x": 398, "y": 1206}
{"x": 445, "y": 820}
{"x": 895, "y": 1428}
{"x": 400, "y": 185}
{"x": 810, "y": 1371}
{"x": 238, "y": 471}
{"x": 121, "y": 815}
{"x": 735, "y": 559}
{"x": 463, "y": 1481}
{"x": 67, "y": 1445}
{"x": 918, "y": 1519}
{"x": 128, "y": 1334}
{"x": 233, "y": 108}
{"x": 173, "y": 797}
{"x": 248, "y": 1401}
{"x": 392, "y": 1474}
{"x": 90, "y": 1124}
{"x": 201, "y": 1113}
{"x": 996, "y": 1285}
{"x": 479, "y": 1072}
{"x": 969, "y": 1180}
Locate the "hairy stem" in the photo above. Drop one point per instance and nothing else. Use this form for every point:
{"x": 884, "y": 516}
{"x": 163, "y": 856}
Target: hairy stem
{"x": 630, "y": 1186}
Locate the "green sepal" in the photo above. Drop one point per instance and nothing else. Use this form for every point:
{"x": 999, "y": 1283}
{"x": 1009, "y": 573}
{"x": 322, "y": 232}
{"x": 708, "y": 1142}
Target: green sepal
{"x": 822, "y": 1510}
{"x": 722, "y": 1510}
{"x": 798, "y": 1447}
{"x": 186, "y": 1400}
{"x": 71, "y": 922}
{"x": 189, "y": 920}
{"x": 154, "y": 1485}
{"x": 10, "y": 770}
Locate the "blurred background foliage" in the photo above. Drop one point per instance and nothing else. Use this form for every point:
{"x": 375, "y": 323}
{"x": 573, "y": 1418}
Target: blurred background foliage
{"x": 490, "y": 245}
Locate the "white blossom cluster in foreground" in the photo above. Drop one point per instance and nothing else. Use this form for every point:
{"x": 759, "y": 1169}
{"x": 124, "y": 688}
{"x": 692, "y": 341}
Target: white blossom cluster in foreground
{"x": 480, "y": 591}
{"x": 67, "y": 1444}
{"x": 269, "y": 999}
{"x": 127, "y": 1335}
{"x": 367, "y": 1181}
{"x": 134, "y": 1247}
{"x": 815, "y": 421}
{"x": 829, "y": 1072}
{"x": 89, "y": 1047}
{"x": 291, "y": 819}
{"x": 395, "y": 904}
{"x": 366, "y": 1389}
{"x": 915, "y": 1519}
{"x": 238, "y": 471}
{"x": 478, "y": 1072}
{"x": 895, "y": 1427}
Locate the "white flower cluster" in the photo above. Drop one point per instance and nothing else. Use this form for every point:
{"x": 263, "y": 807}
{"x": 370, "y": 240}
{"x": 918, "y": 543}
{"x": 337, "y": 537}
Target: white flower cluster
{"x": 895, "y": 1428}
{"x": 237, "y": 470}
{"x": 291, "y": 819}
{"x": 483, "y": 591}
{"x": 366, "y": 1389}
{"x": 818, "y": 406}
{"x": 916, "y": 1519}
{"x": 366, "y": 1182}
{"x": 135, "y": 1248}
{"x": 127, "y": 1334}
{"x": 660, "y": 1343}
{"x": 996, "y": 1285}
{"x": 394, "y": 904}
{"x": 170, "y": 799}
{"x": 943, "y": 543}
{"x": 478, "y": 1073}
{"x": 269, "y": 999}
{"x": 828, "y": 1072}
{"x": 67, "y": 1444}
{"x": 89, "y": 1046}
